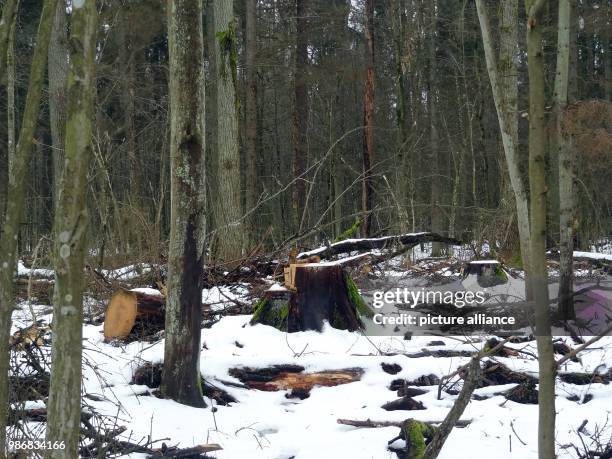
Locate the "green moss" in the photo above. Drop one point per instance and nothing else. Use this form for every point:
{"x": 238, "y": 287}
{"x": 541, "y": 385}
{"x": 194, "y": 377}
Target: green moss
{"x": 350, "y": 232}
{"x": 500, "y": 273}
{"x": 268, "y": 313}
{"x": 353, "y": 293}
{"x": 228, "y": 46}
{"x": 415, "y": 433}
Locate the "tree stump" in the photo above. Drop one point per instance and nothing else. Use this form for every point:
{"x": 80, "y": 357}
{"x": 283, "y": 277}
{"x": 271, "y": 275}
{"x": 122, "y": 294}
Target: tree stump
{"x": 313, "y": 293}
{"x": 484, "y": 273}
{"x": 130, "y": 308}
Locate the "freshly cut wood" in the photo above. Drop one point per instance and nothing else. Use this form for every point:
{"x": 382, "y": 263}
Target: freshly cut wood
{"x": 126, "y": 306}
{"x": 316, "y": 292}
{"x": 356, "y": 245}
{"x": 292, "y": 377}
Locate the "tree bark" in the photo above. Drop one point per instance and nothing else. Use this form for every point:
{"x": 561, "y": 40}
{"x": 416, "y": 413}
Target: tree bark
{"x": 436, "y": 217}
{"x": 228, "y": 212}
{"x": 367, "y": 196}
{"x": 71, "y": 222}
{"x": 506, "y": 104}
{"x": 300, "y": 113}
{"x": 566, "y": 165}
{"x": 251, "y": 188}
{"x": 181, "y": 374}
{"x": 537, "y": 184}
{"x": 9, "y": 13}
{"x": 15, "y": 199}
{"x": 58, "y": 74}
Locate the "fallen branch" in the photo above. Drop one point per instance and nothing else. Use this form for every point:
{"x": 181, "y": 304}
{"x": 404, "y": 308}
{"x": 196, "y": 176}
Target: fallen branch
{"x": 368, "y": 423}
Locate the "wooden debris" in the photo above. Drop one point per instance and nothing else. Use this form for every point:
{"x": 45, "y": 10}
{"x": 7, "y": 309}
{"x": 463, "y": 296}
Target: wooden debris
{"x": 292, "y": 377}
{"x": 404, "y": 403}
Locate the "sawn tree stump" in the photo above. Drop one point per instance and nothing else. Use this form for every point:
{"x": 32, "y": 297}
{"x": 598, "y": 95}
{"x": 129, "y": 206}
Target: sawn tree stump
{"x": 313, "y": 293}
{"x": 130, "y": 308}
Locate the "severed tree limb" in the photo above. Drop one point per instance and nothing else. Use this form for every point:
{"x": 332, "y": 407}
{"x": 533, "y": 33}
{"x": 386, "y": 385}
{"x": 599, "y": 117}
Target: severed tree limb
{"x": 368, "y": 423}
{"x": 582, "y": 347}
{"x": 452, "y": 418}
{"x": 351, "y": 245}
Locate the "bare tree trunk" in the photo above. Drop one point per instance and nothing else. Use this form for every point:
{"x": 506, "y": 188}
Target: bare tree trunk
{"x": 228, "y": 212}
{"x": 506, "y": 104}
{"x": 10, "y": 95}
{"x": 58, "y": 73}
{"x": 251, "y": 188}
{"x": 181, "y": 373}
{"x": 15, "y": 198}
{"x": 71, "y": 222}
{"x": 537, "y": 184}
{"x": 368, "y": 120}
{"x": 300, "y": 113}
{"x": 9, "y": 13}
{"x": 436, "y": 217}
{"x": 566, "y": 165}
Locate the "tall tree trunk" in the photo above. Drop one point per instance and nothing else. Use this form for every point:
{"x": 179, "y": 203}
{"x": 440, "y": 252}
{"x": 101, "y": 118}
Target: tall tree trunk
{"x": 367, "y": 196}
{"x": 15, "y": 200}
{"x": 228, "y": 212}
{"x": 10, "y": 94}
{"x": 71, "y": 222}
{"x": 58, "y": 73}
{"x": 251, "y": 188}
{"x": 436, "y": 216}
{"x": 181, "y": 373}
{"x": 566, "y": 165}
{"x": 9, "y": 13}
{"x": 300, "y": 113}
{"x": 537, "y": 185}
{"x": 506, "y": 104}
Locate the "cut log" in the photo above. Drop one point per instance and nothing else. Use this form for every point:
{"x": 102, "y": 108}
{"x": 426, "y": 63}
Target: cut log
{"x": 128, "y": 306}
{"x": 356, "y": 245}
{"x": 317, "y": 292}
{"x": 292, "y": 377}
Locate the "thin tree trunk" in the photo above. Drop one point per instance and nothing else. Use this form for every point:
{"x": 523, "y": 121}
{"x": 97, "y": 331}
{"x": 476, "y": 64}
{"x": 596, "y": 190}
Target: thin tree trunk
{"x": 181, "y": 373}
{"x": 251, "y": 188}
{"x": 539, "y": 275}
{"x": 368, "y": 120}
{"x": 507, "y": 114}
{"x": 300, "y": 114}
{"x": 10, "y": 95}
{"x": 436, "y": 217}
{"x": 566, "y": 165}
{"x": 9, "y": 13}
{"x": 15, "y": 201}
{"x": 58, "y": 73}
{"x": 228, "y": 212}
{"x": 71, "y": 222}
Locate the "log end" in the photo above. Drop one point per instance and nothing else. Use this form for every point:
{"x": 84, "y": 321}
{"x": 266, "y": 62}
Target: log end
{"x": 120, "y": 315}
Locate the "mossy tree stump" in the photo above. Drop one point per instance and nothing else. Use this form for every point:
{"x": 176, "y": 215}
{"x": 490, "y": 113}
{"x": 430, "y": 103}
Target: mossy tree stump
{"x": 317, "y": 292}
{"x": 487, "y": 273}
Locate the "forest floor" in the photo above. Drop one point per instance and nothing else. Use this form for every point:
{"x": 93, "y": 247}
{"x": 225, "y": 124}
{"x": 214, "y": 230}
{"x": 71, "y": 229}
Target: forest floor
{"x": 281, "y": 425}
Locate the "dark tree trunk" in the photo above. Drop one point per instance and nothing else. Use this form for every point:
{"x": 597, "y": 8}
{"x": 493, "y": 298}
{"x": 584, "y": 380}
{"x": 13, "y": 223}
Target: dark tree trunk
{"x": 300, "y": 115}
{"x": 368, "y": 120}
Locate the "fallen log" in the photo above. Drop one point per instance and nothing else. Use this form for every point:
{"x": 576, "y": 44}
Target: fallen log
{"x": 368, "y": 423}
{"x": 292, "y": 377}
{"x": 126, "y": 306}
{"x": 356, "y": 245}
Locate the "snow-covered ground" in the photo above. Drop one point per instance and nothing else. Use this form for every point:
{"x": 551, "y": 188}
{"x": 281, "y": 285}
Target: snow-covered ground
{"x": 268, "y": 425}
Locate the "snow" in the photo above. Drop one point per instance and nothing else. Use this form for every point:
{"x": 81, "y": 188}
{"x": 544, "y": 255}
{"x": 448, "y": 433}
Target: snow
{"x": 593, "y": 255}
{"x": 22, "y": 271}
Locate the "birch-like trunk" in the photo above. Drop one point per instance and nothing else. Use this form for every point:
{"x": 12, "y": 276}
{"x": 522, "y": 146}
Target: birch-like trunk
{"x": 181, "y": 374}
{"x": 228, "y": 213}
{"x": 15, "y": 201}
{"x": 70, "y": 230}
{"x": 566, "y": 165}
{"x": 538, "y": 189}
{"x": 504, "y": 87}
